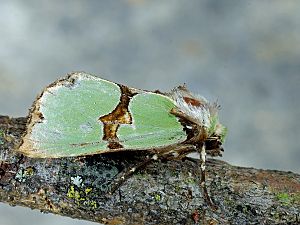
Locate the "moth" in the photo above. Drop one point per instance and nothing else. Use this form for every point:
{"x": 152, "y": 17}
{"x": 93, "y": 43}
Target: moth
{"x": 84, "y": 115}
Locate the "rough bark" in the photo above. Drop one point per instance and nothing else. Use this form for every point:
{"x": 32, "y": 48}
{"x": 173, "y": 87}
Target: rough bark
{"x": 162, "y": 193}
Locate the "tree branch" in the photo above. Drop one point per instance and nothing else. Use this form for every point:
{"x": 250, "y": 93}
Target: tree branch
{"x": 163, "y": 193}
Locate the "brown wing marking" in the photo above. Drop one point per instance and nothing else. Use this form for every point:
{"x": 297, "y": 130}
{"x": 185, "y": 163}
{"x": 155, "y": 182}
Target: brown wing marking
{"x": 120, "y": 115}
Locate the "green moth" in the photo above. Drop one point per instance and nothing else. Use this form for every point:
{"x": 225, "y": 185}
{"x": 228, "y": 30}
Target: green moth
{"x": 83, "y": 115}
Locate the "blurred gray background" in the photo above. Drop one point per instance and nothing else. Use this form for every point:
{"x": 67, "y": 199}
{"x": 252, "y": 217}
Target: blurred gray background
{"x": 245, "y": 54}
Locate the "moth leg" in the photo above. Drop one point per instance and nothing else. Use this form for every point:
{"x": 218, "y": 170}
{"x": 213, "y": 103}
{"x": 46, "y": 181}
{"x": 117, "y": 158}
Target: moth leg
{"x": 203, "y": 178}
{"x": 128, "y": 173}
{"x": 202, "y": 151}
{"x": 163, "y": 153}
{"x": 180, "y": 153}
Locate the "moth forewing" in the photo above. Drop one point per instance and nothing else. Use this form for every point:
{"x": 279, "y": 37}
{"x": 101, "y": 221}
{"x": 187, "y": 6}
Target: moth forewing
{"x": 82, "y": 114}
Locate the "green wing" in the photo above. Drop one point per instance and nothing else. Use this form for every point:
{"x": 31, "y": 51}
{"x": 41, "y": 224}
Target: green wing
{"x": 153, "y": 125}
{"x": 65, "y": 119}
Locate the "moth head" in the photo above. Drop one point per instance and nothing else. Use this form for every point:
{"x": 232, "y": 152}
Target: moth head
{"x": 199, "y": 111}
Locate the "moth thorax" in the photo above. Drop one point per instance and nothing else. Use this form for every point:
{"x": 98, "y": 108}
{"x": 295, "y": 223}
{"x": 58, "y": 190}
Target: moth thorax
{"x": 195, "y": 108}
